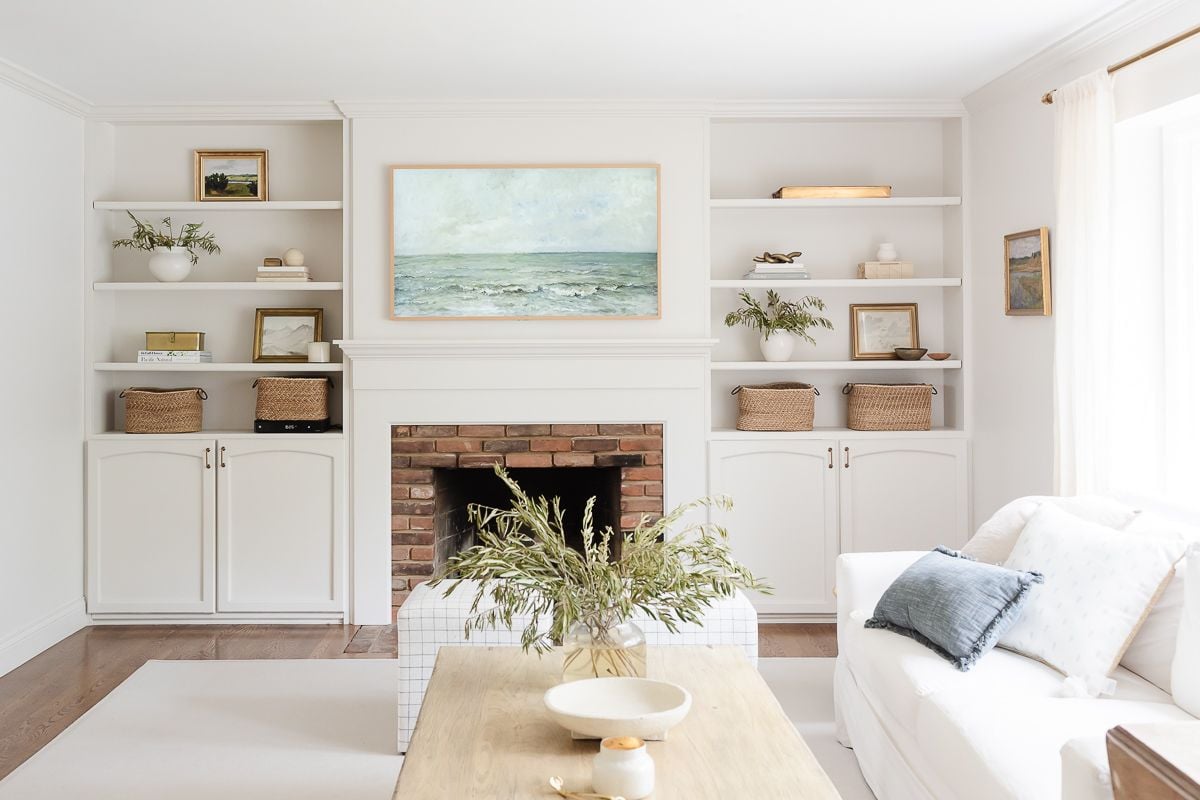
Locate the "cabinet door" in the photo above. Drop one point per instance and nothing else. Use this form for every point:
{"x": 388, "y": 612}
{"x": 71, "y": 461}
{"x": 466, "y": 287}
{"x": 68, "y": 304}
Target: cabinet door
{"x": 279, "y": 538}
{"x": 150, "y": 540}
{"x": 903, "y": 494}
{"x": 783, "y": 524}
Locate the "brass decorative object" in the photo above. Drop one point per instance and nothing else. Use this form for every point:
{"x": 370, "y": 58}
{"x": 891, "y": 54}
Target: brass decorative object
{"x": 778, "y": 258}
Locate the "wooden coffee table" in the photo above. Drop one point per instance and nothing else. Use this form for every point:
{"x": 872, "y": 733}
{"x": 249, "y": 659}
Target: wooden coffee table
{"x": 484, "y": 733}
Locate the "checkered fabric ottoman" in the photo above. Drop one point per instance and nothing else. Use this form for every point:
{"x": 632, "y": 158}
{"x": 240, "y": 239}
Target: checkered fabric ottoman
{"x": 427, "y": 621}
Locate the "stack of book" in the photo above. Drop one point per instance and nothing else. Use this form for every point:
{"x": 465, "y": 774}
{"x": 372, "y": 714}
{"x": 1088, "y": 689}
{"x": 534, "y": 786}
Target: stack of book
{"x": 174, "y": 357}
{"x": 777, "y": 272}
{"x": 283, "y": 274}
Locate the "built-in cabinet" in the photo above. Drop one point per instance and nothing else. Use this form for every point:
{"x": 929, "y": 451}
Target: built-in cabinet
{"x": 215, "y": 526}
{"x": 799, "y": 503}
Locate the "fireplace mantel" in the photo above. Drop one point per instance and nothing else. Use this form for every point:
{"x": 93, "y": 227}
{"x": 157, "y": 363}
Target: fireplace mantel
{"x": 364, "y": 349}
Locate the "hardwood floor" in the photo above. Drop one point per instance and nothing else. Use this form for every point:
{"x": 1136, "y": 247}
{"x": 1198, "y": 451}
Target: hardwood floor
{"x": 39, "y": 699}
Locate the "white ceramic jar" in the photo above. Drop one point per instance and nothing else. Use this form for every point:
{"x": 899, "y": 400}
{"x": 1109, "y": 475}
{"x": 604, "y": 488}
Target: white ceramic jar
{"x": 623, "y": 768}
{"x": 778, "y": 346}
{"x": 170, "y": 264}
{"x": 887, "y": 252}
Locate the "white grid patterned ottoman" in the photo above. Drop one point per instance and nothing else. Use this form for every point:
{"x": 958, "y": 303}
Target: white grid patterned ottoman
{"x": 427, "y": 620}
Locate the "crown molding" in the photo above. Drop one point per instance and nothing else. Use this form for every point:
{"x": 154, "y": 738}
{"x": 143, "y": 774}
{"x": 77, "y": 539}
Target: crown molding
{"x": 873, "y": 108}
{"x": 1118, "y": 22}
{"x": 241, "y": 111}
{"x": 25, "y": 81}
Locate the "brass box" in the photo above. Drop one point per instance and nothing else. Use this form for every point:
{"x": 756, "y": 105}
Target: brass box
{"x": 174, "y": 340}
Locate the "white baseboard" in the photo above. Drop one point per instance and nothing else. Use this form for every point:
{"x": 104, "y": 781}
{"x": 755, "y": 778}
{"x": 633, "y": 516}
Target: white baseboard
{"x": 45, "y": 632}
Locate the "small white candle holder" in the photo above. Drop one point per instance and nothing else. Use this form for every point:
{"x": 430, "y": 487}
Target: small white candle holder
{"x": 623, "y": 768}
{"x": 318, "y": 352}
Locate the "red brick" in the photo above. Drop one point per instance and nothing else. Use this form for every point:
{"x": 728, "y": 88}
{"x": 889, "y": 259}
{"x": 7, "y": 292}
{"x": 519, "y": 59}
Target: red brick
{"x": 412, "y": 507}
{"x": 422, "y": 524}
{"x": 422, "y": 554}
{"x": 622, "y": 429}
{"x": 412, "y": 446}
{"x": 400, "y": 431}
{"x": 642, "y": 504}
{"x": 434, "y": 430}
{"x": 481, "y": 430}
{"x": 480, "y": 459}
{"x": 528, "y": 430}
{"x": 400, "y": 552}
{"x": 654, "y": 488}
{"x": 560, "y": 444}
{"x": 459, "y": 445}
{"x": 619, "y": 460}
{"x": 630, "y": 521}
{"x": 445, "y": 460}
{"x": 401, "y": 492}
{"x": 594, "y": 445}
{"x": 421, "y": 492}
{"x": 574, "y": 460}
{"x": 641, "y": 474}
{"x": 652, "y": 459}
{"x": 529, "y": 460}
{"x": 415, "y": 582}
{"x": 655, "y": 429}
{"x": 412, "y": 476}
{"x": 573, "y": 430}
{"x": 633, "y": 489}
{"x": 399, "y": 523}
{"x": 400, "y": 461}
{"x": 398, "y": 599}
{"x": 413, "y": 537}
{"x": 507, "y": 446}
{"x": 641, "y": 443}
{"x": 411, "y": 568}
{"x": 400, "y": 584}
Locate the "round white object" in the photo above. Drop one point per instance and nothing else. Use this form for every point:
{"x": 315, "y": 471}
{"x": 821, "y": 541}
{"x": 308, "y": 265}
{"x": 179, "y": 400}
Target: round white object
{"x": 604, "y": 707}
{"x": 778, "y": 346}
{"x": 623, "y": 768}
{"x": 887, "y": 252}
{"x": 318, "y": 352}
{"x": 293, "y": 257}
{"x": 170, "y": 264}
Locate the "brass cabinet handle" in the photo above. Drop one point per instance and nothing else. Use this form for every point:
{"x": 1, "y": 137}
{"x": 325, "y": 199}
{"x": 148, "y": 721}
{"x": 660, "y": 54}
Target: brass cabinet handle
{"x": 207, "y": 463}
{"x": 831, "y": 458}
{"x": 847, "y": 464}
{"x": 222, "y": 457}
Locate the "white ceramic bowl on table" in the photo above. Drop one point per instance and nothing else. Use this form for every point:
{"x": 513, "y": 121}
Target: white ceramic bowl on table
{"x": 603, "y": 707}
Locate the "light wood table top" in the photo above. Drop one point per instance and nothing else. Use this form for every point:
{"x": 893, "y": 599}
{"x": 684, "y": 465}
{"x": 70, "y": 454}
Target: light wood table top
{"x": 484, "y": 733}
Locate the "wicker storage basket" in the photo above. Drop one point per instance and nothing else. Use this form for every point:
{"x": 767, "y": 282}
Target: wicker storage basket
{"x": 149, "y": 410}
{"x": 292, "y": 399}
{"x": 776, "y": 407}
{"x": 889, "y": 407}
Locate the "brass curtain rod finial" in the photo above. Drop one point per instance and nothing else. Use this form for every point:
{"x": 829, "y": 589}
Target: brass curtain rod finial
{"x": 1048, "y": 98}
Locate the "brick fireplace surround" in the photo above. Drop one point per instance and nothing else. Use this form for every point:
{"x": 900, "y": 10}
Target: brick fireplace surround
{"x": 417, "y": 450}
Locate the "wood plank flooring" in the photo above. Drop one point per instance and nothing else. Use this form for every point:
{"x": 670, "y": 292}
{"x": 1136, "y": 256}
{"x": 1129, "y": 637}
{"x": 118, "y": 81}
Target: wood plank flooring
{"x": 39, "y": 699}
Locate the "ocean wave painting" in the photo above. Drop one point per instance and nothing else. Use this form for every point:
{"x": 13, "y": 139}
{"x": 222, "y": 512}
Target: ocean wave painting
{"x": 525, "y": 242}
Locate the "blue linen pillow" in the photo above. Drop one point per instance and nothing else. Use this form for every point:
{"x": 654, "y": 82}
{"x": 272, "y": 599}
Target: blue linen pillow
{"x": 953, "y": 604}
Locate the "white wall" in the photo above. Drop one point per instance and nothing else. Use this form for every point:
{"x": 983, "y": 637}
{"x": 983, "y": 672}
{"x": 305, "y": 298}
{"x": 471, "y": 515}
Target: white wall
{"x": 1012, "y": 189}
{"x": 41, "y": 395}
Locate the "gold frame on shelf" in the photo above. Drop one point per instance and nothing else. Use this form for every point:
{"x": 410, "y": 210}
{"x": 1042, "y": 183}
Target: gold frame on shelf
{"x": 1047, "y": 308}
{"x": 857, "y": 354}
{"x": 261, "y": 313}
{"x": 198, "y": 157}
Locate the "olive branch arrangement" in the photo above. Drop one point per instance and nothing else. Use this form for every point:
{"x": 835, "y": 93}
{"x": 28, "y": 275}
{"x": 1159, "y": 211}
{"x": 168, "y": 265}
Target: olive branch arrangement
{"x": 146, "y": 237}
{"x": 780, "y": 315}
{"x": 526, "y": 568}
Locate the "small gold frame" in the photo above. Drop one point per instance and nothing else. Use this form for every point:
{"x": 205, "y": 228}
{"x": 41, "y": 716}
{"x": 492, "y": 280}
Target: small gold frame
{"x": 260, "y": 315}
{"x": 856, "y": 351}
{"x": 198, "y": 176}
{"x": 1046, "y": 308}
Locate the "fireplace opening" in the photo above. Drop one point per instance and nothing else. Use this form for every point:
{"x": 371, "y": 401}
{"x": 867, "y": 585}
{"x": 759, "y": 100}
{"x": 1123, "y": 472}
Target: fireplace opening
{"x": 455, "y": 489}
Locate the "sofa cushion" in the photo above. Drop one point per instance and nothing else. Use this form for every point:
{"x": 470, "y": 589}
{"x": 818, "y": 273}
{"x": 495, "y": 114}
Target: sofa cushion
{"x": 953, "y": 605}
{"x": 1185, "y": 672}
{"x": 994, "y": 540}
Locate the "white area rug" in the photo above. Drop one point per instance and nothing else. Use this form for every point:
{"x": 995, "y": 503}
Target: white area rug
{"x": 300, "y": 730}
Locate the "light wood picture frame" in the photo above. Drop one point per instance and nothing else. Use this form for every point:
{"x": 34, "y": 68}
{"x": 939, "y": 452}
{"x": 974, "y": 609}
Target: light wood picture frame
{"x": 525, "y": 241}
{"x": 230, "y": 176}
{"x": 876, "y": 329}
{"x": 282, "y": 335}
{"x": 1027, "y": 288}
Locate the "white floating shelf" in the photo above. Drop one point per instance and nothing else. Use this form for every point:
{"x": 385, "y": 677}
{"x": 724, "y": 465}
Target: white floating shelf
{"x": 845, "y": 202}
{"x": 227, "y": 366}
{"x": 195, "y": 205}
{"x": 218, "y": 286}
{"x": 833, "y": 433}
{"x": 800, "y": 366}
{"x": 240, "y": 434}
{"x": 837, "y": 283}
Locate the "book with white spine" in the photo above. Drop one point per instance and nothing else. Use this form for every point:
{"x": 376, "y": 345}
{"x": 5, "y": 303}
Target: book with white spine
{"x": 174, "y": 357}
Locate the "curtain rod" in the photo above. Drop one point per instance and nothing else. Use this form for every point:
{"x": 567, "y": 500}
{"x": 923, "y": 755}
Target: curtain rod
{"x": 1048, "y": 97}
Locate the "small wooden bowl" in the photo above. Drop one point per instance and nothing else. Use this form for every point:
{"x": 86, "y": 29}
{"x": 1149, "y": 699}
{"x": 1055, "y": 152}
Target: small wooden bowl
{"x": 910, "y": 353}
{"x": 939, "y": 356}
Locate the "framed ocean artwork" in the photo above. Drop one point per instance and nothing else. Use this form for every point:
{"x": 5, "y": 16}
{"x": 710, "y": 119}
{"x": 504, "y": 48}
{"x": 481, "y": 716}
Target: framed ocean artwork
{"x": 526, "y": 242}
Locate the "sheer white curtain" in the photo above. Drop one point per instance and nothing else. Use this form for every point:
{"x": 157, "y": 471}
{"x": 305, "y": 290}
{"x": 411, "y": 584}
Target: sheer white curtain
{"x": 1084, "y": 283}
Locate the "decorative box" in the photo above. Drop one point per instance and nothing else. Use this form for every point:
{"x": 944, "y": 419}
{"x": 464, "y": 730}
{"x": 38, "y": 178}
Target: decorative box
{"x": 885, "y": 269}
{"x": 174, "y": 340}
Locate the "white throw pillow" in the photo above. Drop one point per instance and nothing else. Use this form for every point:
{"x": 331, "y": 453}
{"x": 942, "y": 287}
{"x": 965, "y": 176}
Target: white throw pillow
{"x": 995, "y": 538}
{"x": 1100, "y": 585}
{"x": 1185, "y": 674}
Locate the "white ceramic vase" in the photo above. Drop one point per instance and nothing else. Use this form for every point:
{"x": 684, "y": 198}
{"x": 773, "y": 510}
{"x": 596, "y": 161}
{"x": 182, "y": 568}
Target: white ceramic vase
{"x": 777, "y": 346}
{"x": 170, "y": 264}
{"x": 887, "y": 252}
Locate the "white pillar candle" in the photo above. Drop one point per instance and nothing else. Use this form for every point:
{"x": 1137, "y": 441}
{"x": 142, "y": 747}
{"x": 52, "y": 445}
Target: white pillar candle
{"x": 624, "y": 768}
{"x": 318, "y": 352}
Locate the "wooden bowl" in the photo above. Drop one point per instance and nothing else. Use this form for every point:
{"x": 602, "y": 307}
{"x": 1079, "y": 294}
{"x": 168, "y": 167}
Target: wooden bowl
{"x": 939, "y": 356}
{"x": 603, "y": 707}
{"x": 910, "y": 353}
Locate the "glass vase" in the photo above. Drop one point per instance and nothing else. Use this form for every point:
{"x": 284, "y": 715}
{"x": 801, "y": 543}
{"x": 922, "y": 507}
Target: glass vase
{"x": 590, "y": 651}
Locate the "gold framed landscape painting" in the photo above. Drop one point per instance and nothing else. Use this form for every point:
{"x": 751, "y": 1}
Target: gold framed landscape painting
{"x": 230, "y": 175}
{"x": 282, "y": 335}
{"x": 877, "y": 329}
{"x": 528, "y": 242}
{"x": 1027, "y": 273}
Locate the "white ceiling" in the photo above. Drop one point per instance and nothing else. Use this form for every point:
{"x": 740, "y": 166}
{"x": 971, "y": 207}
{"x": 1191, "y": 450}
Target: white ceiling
{"x": 134, "y": 51}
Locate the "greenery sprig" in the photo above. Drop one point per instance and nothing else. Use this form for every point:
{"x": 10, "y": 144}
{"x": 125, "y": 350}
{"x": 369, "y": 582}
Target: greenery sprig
{"x": 780, "y": 315}
{"x": 526, "y": 568}
{"x": 146, "y": 237}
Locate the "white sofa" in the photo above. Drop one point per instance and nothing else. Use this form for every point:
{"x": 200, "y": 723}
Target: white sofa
{"x": 428, "y": 621}
{"x": 923, "y": 730}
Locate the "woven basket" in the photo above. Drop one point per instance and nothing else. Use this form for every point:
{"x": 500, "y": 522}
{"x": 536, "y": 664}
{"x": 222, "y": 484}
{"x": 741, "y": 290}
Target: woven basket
{"x": 776, "y": 407}
{"x": 292, "y": 399}
{"x": 889, "y": 407}
{"x": 150, "y": 410}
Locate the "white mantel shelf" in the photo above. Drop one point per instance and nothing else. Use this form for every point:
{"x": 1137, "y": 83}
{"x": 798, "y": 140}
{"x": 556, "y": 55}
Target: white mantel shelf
{"x": 754, "y": 366}
{"x": 364, "y": 349}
